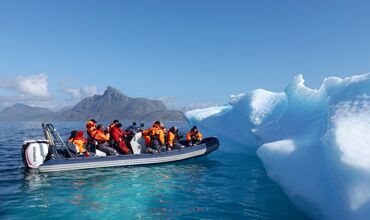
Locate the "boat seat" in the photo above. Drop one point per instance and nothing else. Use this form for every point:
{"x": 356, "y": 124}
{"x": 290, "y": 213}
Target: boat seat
{"x": 72, "y": 148}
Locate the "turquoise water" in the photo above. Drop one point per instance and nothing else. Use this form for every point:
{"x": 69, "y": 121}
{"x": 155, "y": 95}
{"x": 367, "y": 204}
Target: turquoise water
{"x": 219, "y": 186}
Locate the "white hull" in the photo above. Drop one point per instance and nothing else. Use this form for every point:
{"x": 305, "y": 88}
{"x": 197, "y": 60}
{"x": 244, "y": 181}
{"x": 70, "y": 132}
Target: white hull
{"x": 121, "y": 162}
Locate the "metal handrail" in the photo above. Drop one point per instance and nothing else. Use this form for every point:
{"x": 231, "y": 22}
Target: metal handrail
{"x": 54, "y": 139}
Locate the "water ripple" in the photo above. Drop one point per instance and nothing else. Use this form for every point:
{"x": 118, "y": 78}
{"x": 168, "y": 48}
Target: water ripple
{"x": 220, "y": 186}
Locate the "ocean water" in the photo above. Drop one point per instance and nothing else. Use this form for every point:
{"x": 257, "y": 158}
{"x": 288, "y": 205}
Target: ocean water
{"x": 219, "y": 186}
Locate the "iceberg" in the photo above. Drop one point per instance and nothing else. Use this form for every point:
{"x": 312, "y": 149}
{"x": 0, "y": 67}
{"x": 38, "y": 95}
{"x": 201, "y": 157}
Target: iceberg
{"x": 315, "y": 144}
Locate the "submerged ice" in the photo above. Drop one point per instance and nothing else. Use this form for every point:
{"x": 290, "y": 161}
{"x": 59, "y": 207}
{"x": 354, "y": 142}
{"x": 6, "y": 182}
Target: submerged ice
{"x": 314, "y": 143}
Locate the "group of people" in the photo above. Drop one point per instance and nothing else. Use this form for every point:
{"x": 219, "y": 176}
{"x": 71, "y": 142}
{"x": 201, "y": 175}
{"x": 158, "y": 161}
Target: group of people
{"x": 113, "y": 140}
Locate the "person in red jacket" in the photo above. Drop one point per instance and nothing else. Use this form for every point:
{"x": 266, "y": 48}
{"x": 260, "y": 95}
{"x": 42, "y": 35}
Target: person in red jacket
{"x": 118, "y": 138}
{"x": 114, "y": 123}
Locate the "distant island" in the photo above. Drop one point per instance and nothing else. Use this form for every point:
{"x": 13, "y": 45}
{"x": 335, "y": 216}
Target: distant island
{"x": 113, "y": 104}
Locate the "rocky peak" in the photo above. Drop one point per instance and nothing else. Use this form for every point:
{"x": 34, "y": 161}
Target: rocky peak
{"x": 111, "y": 91}
{"x": 20, "y": 105}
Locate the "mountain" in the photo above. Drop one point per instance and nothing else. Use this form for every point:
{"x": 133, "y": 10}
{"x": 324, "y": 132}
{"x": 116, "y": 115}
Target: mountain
{"x": 21, "y": 112}
{"x": 113, "y": 104}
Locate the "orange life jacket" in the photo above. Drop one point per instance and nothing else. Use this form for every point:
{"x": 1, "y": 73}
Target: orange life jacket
{"x": 80, "y": 144}
{"x": 170, "y": 138}
{"x": 90, "y": 128}
{"x": 154, "y": 132}
{"x": 191, "y": 134}
{"x": 100, "y": 136}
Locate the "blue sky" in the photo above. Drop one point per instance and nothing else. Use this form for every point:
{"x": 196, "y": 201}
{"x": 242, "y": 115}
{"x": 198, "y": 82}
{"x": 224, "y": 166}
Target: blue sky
{"x": 192, "y": 51}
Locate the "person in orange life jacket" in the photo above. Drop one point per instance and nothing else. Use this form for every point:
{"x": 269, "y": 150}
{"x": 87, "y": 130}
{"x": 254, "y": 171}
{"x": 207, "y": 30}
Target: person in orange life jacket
{"x": 163, "y": 128}
{"x": 147, "y": 132}
{"x": 102, "y": 138}
{"x": 73, "y": 140}
{"x": 91, "y": 131}
{"x": 90, "y": 128}
{"x": 117, "y": 137}
{"x": 193, "y": 137}
{"x": 158, "y": 138}
{"x": 70, "y": 145}
{"x": 161, "y": 125}
{"x": 79, "y": 141}
{"x": 173, "y": 139}
{"x": 73, "y": 135}
{"x": 154, "y": 138}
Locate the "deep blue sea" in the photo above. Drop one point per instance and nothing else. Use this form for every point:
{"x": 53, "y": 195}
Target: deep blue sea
{"x": 219, "y": 186}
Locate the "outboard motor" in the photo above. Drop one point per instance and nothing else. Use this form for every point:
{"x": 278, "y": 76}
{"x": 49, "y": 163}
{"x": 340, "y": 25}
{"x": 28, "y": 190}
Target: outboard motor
{"x": 34, "y": 152}
{"x": 138, "y": 144}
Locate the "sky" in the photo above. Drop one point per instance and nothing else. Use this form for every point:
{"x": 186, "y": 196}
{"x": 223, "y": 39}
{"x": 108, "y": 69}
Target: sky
{"x": 184, "y": 52}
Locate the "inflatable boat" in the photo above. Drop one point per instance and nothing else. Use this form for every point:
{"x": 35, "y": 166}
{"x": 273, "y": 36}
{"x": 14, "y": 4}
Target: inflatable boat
{"x": 53, "y": 154}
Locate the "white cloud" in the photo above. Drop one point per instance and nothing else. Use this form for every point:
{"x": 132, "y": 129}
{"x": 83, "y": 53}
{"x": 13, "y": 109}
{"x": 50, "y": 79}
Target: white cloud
{"x": 33, "y": 86}
{"x": 31, "y": 90}
{"x": 88, "y": 91}
{"x": 73, "y": 92}
{"x": 76, "y": 94}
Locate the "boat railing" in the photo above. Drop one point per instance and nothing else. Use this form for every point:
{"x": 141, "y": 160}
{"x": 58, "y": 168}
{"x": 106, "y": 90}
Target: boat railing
{"x": 55, "y": 140}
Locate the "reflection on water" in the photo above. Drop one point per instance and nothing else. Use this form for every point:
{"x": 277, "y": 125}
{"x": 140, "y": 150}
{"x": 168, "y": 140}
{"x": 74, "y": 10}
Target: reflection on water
{"x": 220, "y": 186}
